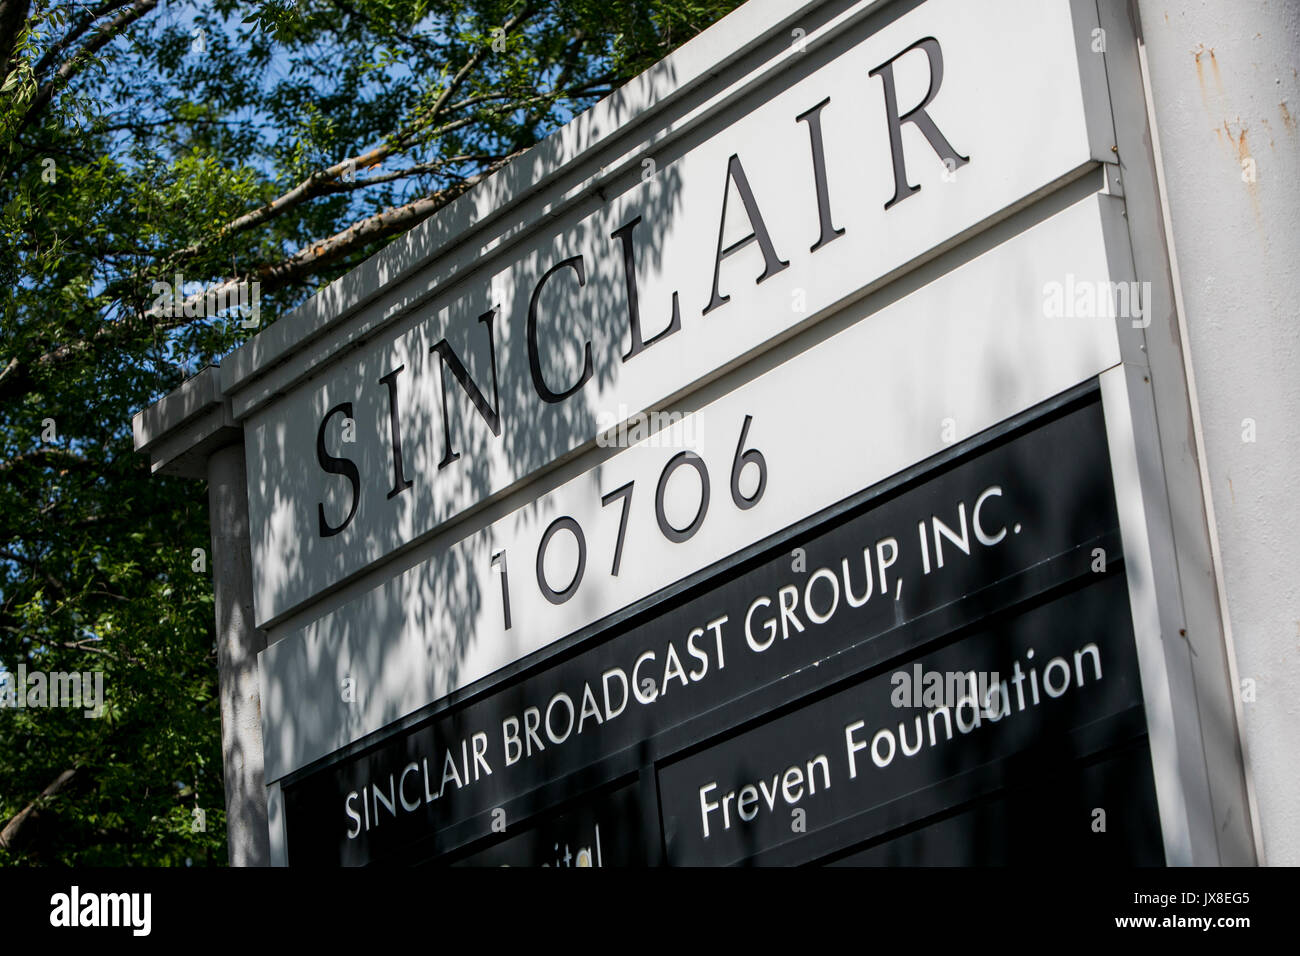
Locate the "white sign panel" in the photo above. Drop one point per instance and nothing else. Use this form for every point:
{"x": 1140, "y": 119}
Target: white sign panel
{"x": 882, "y": 150}
{"x": 852, "y": 410}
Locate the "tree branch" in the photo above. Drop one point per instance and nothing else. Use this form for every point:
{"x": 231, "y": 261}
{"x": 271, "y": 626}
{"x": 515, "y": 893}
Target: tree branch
{"x": 321, "y": 182}
{"x": 52, "y": 55}
{"x": 13, "y": 17}
{"x": 17, "y": 377}
{"x": 44, "y": 456}
{"x": 13, "y": 830}
{"x": 78, "y": 61}
{"x": 382, "y": 224}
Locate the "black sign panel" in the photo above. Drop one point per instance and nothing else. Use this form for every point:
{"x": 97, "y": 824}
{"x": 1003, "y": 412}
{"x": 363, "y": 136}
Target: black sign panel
{"x": 1011, "y": 522}
{"x": 1050, "y": 820}
{"x": 1041, "y": 690}
{"x": 604, "y": 830}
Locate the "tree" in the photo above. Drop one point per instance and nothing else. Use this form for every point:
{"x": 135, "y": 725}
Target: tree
{"x": 224, "y": 143}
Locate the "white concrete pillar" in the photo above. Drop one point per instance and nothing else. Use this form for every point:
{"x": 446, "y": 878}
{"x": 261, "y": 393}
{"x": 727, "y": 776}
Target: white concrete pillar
{"x": 1226, "y": 96}
{"x": 238, "y": 643}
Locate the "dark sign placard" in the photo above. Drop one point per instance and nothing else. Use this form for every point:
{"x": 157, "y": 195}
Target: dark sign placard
{"x": 1053, "y": 819}
{"x": 1008, "y": 520}
{"x": 1029, "y": 694}
{"x": 603, "y": 830}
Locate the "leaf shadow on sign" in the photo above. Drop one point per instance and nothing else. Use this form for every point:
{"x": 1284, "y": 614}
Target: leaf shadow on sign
{"x": 402, "y": 632}
{"x": 442, "y": 599}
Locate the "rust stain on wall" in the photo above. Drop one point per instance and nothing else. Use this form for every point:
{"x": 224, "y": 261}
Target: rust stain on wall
{"x": 1243, "y": 148}
{"x": 1200, "y": 73}
{"x": 1247, "y": 171}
